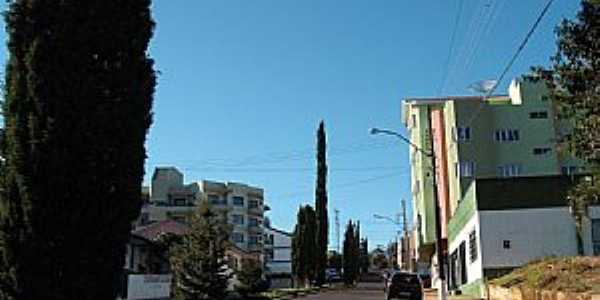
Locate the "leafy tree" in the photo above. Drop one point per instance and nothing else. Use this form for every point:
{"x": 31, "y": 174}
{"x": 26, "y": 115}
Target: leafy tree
{"x": 322, "y": 237}
{"x": 251, "y": 278}
{"x": 303, "y": 246}
{"x": 198, "y": 262}
{"x": 380, "y": 260}
{"x": 575, "y": 87}
{"x": 78, "y": 94}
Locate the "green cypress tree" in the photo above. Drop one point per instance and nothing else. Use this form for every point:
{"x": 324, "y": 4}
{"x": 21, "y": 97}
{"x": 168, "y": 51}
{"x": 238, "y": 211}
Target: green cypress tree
{"x": 349, "y": 258}
{"x": 78, "y": 94}
{"x": 298, "y": 264}
{"x": 357, "y": 247}
{"x": 308, "y": 244}
{"x": 303, "y": 252}
{"x": 322, "y": 238}
{"x": 198, "y": 262}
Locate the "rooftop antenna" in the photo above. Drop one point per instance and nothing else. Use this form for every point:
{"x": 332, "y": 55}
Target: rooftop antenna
{"x": 483, "y": 87}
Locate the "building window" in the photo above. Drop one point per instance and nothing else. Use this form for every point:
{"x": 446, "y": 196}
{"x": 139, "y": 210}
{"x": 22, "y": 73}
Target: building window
{"x": 269, "y": 255}
{"x": 541, "y": 151}
{"x": 506, "y": 244}
{"x": 216, "y": 200}
{"x": 253, "y": 240}
{"x": 545, "y": 98}
{"x": 463, "y": 133}
{"x": 238, "y": 201}
{"x": 569, "y": 170}
{"x": 507, "y": 135}
{"x": 237, "y": 219}
{"x": 237, "y": 237}
{"x": 179, "y": 201}
{"x": 417, "y": 187}
{"x": 269, "y": 239}
{"x": 538, "y": 115}
{"x": 253, "y": 203}
{"x": 596, "y": 236}
{"x": 510, "y": 170}
{"x": 253, "y": 222}
{"x": 473, "y": 246}
{"x": 414, "y": 120}
{"x": 467, "y": 168}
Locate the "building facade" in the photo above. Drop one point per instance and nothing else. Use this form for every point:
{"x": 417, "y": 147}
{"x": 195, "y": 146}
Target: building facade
{"x": 278, "y": 256}
{"x": 244, "y": 205}
{"x": 483, "y": 149}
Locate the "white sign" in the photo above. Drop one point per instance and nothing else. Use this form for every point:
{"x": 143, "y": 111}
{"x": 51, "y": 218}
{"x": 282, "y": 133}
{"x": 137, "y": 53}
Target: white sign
{"x": 146, "y": 286}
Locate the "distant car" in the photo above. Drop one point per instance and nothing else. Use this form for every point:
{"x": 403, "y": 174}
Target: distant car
{"x": 332, "y": 275}
{"x": 403, "y": 285}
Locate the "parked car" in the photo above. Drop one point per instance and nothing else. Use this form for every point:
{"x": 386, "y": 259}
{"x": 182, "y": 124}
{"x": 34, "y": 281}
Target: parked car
{"x": 403, "y": 285}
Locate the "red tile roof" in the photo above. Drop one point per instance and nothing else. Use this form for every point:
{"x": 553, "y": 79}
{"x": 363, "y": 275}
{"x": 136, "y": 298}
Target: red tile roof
{"x": 154, "y": 230}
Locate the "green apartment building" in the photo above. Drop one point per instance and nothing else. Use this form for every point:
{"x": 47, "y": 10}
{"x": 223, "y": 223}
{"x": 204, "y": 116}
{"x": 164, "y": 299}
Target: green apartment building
{"x": 501, "y": 181}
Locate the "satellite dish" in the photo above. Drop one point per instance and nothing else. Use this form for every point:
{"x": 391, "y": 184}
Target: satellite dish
{"x": 483, "y": 86}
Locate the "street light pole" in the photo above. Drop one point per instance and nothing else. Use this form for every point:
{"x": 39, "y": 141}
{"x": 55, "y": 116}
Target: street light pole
{"x": 442, "y": 290}
{"x": 398, "y": 239}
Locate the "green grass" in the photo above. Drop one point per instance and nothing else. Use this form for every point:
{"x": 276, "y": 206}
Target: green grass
{"x": 570, "y": 274}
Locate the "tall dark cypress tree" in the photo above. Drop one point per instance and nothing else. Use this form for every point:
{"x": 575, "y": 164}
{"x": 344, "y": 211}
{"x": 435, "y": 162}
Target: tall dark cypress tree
{"x": 357, "y": 246}
{"x": 78, "y": 98}
{"x": 349, "y": 255}
{"x": 303, "y": 252}
{"x": 322, "y": 239}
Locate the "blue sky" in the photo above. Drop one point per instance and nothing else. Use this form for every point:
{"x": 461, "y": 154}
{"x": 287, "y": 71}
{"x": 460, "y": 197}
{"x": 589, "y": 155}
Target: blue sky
{"x": 243, "y": 85}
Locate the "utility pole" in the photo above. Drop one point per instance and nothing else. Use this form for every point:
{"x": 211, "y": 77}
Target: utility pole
{"x": 443, "y": 288}
{"x": 405, "y": 243}
{"x": 337, "y": 229}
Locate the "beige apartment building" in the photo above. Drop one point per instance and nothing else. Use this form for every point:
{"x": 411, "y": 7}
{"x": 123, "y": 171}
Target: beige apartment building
{"x": 171, "y": 198}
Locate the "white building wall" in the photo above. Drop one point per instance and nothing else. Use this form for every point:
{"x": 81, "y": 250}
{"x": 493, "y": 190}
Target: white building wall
{"x": 474, "y": 269}
{"x": 533, "y": 234}
{"x": 282, "y": 252}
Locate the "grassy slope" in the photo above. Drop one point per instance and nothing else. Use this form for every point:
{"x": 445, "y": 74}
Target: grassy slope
{"x": 572, "y": 274}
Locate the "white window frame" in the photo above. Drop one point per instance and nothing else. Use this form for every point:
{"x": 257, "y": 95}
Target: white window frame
{"x": 467, "y": 169}
{"x": 509, "y": 170}
{"x": 463, "y": 134}
{"x": 237, "y": 237}
{"x": 507, "y": 135}
{"x": 237, "y": 219}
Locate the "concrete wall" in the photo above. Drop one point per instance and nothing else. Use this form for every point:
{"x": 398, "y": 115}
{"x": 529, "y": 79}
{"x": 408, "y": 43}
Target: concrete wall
{"x": 533, "y": 234}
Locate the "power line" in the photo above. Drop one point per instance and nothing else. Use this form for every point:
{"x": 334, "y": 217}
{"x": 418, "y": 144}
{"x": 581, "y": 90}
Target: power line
{"x": 521, "y": 47}
{"x": 278, "y": 157}
{"x": 451, "y": 48}
{"x": 285, "y": 170}
{"x": 510, "y": 63}
{"x": 347, "y": 184}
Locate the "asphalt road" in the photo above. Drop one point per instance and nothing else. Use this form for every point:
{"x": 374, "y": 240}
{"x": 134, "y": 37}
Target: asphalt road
{"x": 359, "y": 294}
